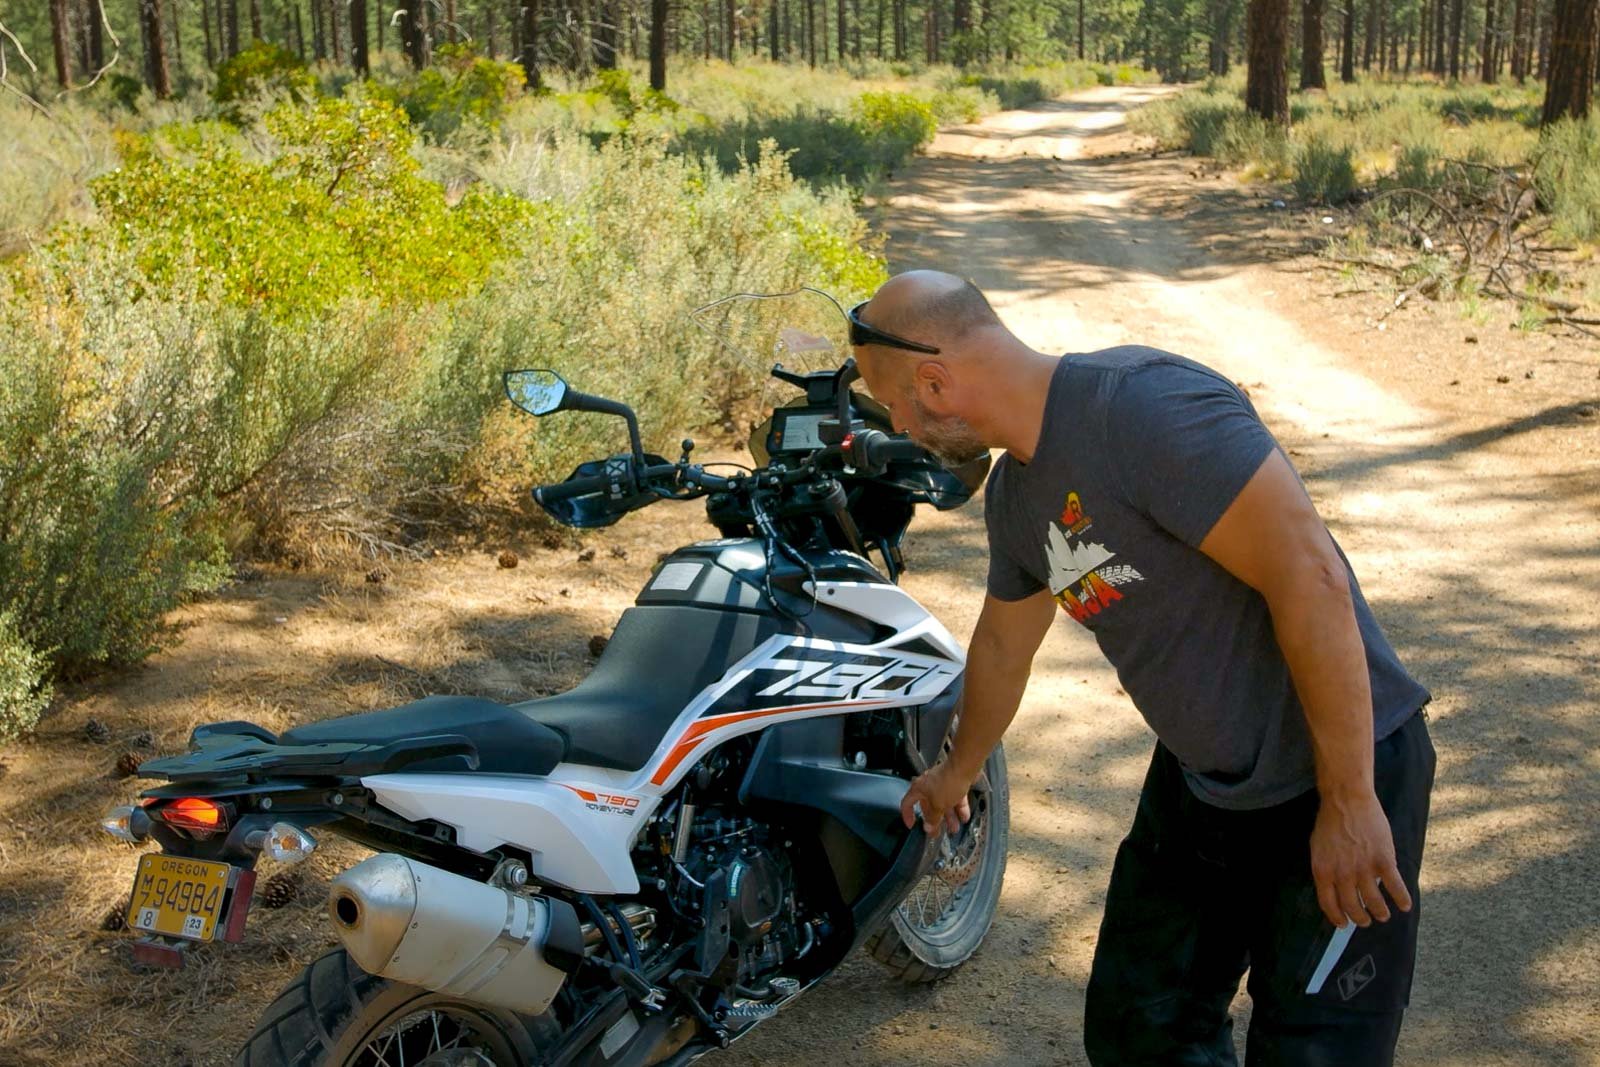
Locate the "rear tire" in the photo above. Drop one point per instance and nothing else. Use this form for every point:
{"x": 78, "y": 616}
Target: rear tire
{"x": 335, "y": 1015}
{"x": 946, "y": 915}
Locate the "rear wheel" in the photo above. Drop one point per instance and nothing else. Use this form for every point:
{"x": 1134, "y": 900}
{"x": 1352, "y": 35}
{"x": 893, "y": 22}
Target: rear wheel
{"x": 943, "y": 920}
{"x": 337, "y": 1015}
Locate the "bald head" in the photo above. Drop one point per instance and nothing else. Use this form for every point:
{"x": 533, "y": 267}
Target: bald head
{"x": 932, "y": 307}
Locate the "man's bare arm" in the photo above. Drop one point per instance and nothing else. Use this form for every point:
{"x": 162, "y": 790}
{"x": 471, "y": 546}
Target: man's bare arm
{"x": 999, "y": 659}
{"x": 1271, "y": 539}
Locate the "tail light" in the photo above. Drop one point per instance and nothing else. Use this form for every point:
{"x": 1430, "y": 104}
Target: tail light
{"x": 195, "y": 814}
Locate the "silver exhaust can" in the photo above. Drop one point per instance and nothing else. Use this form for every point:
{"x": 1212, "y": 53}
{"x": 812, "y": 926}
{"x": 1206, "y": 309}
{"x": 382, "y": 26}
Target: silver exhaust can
{"x": 426, "y": 927}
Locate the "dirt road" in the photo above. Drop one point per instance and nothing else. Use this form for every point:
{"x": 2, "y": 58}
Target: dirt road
{"x": 1469, "y": 510}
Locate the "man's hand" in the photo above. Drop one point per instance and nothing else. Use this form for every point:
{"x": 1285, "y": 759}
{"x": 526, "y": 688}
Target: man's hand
{"x": 1352, "y": 854}
{"x": 942, "y": 794}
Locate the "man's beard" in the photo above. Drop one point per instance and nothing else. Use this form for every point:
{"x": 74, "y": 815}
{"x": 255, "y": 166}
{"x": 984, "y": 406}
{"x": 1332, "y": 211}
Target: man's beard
{"x": 952, "y": 440}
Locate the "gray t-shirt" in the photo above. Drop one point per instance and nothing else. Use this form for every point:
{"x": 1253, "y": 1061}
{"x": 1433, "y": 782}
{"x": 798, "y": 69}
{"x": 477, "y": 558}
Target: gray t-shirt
{"x": 1141, "y": 453}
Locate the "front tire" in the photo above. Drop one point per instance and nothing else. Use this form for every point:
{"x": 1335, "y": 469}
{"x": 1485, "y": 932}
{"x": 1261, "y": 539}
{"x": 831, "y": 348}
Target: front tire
{"x": 337, "y": 1015}
{"x": 946, "y": 915}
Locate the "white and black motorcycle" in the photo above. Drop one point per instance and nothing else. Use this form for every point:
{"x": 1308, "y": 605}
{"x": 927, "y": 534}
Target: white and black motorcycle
{"x": 642, "y": 869}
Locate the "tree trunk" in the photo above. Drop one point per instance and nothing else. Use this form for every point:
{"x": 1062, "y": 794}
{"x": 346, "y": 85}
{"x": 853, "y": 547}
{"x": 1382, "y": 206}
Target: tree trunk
{"x": 359, "y": 59}
{"x": 1370, "y": 29}
{"x": 61, "y": 43}
{"x": 1312, "y": 75}
{"x": 605, "y": 36}
{"x": 156, "y": 73}
{"x": 205, "y": 30}
{"x": 333, "y": 30}
{"x": 658, "y": 45}
{"x": 842, "y": 38}
{"x": 232, "y": 10}
{"x": 1347, "y": 45}
{"x": 1519, "y": 52}
{"x": 299, "y": 33}
{"x": 1080, "y": 29}
{"x": 1572, "y": 60}
{"x": 177, "y": 42}
{"x": 256, "y": 33}
{"x": 1486, "y": 53}
{"x": 960, "y": 23}
{"x": 451, "y": 29}
{"x": 774, "y": 35}
{"x": 1458, "y": 14}
{"x": 1267, "y": 43}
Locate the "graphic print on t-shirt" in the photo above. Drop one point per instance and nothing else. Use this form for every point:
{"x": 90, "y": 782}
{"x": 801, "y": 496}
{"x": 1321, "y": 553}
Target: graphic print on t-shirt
{"x": 1080, "y": 579}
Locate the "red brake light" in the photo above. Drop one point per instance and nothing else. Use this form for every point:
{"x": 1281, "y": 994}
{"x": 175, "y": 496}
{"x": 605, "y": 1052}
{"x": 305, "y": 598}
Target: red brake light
{"x": 195, "y": 813}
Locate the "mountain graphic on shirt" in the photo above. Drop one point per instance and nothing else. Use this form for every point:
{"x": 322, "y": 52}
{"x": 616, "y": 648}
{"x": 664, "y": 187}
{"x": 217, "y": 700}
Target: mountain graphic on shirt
{"x": 1069, "y": 563}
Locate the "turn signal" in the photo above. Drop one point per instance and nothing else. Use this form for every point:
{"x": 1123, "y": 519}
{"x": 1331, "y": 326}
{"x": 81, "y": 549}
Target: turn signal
{"x": 126, "y": 823}
{"x": 195, "y": 814}
{"x": 287, "y": 843}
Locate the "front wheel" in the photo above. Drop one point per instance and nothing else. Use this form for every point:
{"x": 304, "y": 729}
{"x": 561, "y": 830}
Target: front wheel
{"x": 337, "y": 1015}
{"x": 943, "y": 919}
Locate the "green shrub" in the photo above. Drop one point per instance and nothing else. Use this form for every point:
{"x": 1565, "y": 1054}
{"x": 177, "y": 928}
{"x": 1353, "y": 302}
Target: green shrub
{"x": 458, "y": 88}
{"x": 1324, "y": 173}
{"x": 896, "y": 124}
{"x": 365, "y": 222}
{"x": 1417, "y": 167}
{"x": 24, "y": 692}
{"x": 1567, "y": 175}
{"x": 261, "y": 70}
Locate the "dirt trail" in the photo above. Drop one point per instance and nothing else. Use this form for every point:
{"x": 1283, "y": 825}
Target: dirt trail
{"x": 1470, "y": 516}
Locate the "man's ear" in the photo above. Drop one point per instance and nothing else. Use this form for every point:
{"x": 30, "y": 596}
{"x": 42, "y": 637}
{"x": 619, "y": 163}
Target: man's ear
{"x": 933, "y": 382}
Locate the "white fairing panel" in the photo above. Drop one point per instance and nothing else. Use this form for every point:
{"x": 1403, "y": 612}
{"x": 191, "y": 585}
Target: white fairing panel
{"x": 578, "y": 837}
{"x": 580, "y": 823}
{"x": 891, "y": 606}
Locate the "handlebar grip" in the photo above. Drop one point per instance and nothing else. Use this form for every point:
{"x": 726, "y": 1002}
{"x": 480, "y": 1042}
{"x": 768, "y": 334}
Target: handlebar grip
{"x": 551, "y": 494}
{"x": 879, "y": 449}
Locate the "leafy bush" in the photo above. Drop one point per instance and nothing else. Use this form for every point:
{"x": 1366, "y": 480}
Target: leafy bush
{"x": 458, "y": 88}
{"x": 1567, "y": 175}
{"x": 261, "y": 70}
{"x": 365, "y": 221}
{"x": 24, "y": 693}
{"x": 1324, "y": 173}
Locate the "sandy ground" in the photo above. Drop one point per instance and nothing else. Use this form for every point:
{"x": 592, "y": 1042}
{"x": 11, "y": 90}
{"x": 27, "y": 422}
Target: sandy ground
{"x": 1469, "y": 505}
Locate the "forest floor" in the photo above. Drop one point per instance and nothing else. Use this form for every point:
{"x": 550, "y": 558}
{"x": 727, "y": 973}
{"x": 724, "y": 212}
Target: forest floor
{"x": 1456, "y": 460}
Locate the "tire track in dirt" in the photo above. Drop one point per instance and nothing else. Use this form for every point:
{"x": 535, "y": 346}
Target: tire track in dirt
{"x": 1475, "y": 536}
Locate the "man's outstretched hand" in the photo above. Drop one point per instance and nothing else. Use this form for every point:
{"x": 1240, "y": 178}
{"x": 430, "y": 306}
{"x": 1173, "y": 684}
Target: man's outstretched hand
{"x": 941, "y": 793}
{"x": 1353, "y": 863}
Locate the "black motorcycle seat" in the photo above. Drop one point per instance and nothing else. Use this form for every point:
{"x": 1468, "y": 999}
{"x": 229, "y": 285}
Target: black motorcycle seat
{"x": 508, "y": 741}
{"x": 659, "y": 658}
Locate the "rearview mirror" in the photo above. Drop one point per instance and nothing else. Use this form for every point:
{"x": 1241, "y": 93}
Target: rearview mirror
{"x": 538, "y": 392}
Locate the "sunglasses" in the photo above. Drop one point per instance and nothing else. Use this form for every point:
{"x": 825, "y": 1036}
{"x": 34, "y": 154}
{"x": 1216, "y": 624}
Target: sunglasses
{"x": 862, "y": 334}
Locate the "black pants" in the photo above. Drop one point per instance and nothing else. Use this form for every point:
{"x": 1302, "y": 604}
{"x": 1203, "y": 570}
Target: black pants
{"x": 1199, "y": 895}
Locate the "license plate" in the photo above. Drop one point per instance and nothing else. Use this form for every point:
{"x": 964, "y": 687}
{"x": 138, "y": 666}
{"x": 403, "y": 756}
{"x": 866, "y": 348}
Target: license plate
{"x": 180, "y": 897}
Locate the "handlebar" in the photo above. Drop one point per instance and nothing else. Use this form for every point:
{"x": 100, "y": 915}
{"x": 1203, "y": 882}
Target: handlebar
{"x": 867, "y": 451}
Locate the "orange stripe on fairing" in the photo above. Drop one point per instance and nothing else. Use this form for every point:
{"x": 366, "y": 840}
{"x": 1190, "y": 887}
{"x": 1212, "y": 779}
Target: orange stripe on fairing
{"x": 697, "y": 732}
{"x": 584, "y": 793}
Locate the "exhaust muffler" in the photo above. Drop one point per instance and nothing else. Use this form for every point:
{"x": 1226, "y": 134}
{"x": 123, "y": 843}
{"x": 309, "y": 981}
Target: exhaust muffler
{"x": 424, "y": 926}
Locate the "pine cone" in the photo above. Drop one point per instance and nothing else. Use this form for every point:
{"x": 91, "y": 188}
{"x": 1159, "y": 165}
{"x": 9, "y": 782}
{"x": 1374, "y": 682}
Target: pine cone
{"x": 597, "y": 644}
{"x": 143, "y": 739}
{"x": 618, "y": 552}
{"x": 117, "y": 917}
{"x": 551, "y": 540}
{"x": 282, "y": 888}
{"x": 377, "y": 576}
{"x": 128, "y": 765}
{"x": 586, "y": 555}
{"x": 96, "y": 731}
{"x": 508, "y": 559}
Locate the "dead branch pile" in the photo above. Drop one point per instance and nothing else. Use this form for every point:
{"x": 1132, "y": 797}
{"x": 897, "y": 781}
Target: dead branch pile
{"x": 1477, "y": 228}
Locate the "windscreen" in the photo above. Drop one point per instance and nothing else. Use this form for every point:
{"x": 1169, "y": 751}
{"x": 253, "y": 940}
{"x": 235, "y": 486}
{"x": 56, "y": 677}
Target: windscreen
{"x": 804, "y": 330}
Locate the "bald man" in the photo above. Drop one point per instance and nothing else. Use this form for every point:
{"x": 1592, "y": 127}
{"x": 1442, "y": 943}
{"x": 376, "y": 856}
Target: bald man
{"x": 1281, "y": 823}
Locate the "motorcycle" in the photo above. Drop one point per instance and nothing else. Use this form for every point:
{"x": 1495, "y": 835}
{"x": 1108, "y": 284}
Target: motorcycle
{"x": 643, "y": 869}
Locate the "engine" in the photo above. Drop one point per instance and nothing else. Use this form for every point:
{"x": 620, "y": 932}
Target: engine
{"x": 740, "y": 883}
